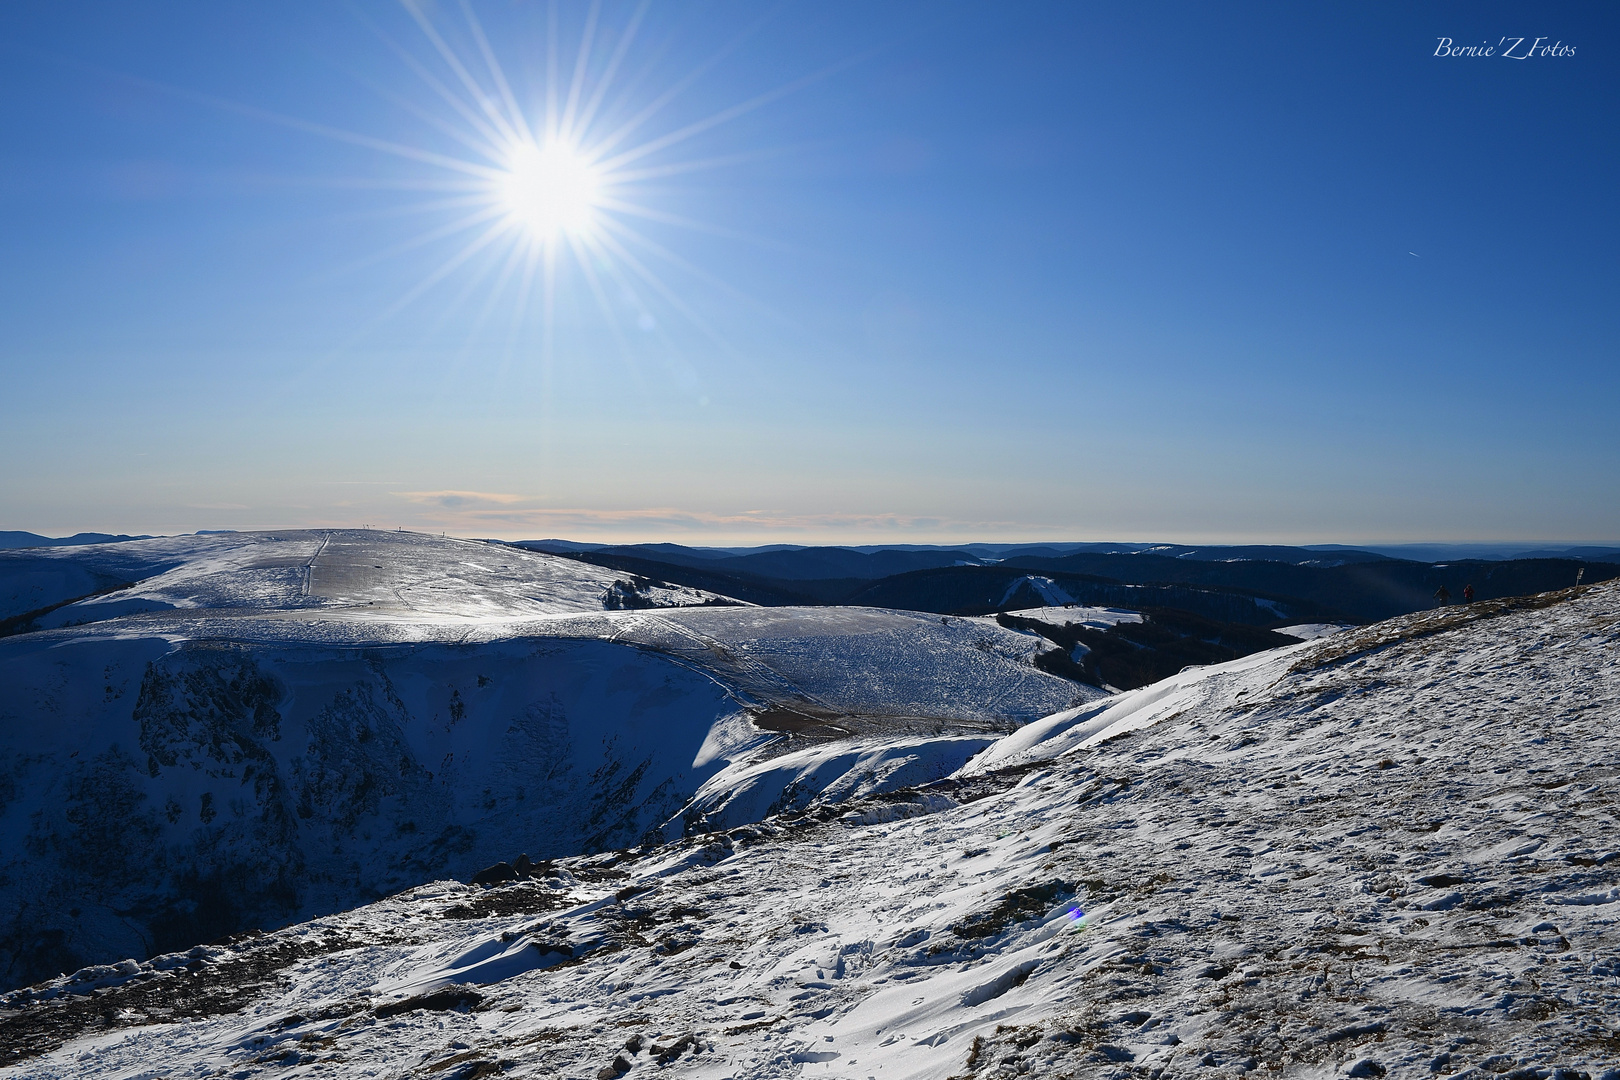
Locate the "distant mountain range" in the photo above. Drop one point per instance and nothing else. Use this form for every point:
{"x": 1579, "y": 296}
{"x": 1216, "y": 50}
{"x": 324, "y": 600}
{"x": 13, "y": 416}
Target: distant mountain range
{"x": 943, "y": 555}
{"x": 9, "y": 539}
{"x": 1258, "y": 585}
{"x": 798, "y": 561}
{"x": 1262, "y": 585}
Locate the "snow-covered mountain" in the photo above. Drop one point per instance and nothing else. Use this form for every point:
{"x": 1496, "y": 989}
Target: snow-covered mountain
{"x": 11, "y": 538}
{"x": 1389, "y": 851}
{"x": 204, "y": 735}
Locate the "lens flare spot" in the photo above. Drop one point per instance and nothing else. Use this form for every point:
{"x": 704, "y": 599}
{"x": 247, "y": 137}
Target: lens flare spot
{"x": 549, "y": 189}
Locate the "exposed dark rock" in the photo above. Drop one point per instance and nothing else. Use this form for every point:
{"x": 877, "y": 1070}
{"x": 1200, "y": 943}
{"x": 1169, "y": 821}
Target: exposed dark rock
{"x": 494, "y": 875}
{"x": 459, "y": 998}
{"x": 1017, "y": 906}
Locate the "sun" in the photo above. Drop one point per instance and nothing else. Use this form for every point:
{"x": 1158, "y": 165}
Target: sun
{"x": 550, "y": 177}
{"x": 549, "y": 190}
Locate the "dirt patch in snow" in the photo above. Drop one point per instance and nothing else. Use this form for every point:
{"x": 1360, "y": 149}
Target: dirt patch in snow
{"x": 46, "y": 1018}
{"x": 799, "y": 722}
{"x": 519, "y": 899}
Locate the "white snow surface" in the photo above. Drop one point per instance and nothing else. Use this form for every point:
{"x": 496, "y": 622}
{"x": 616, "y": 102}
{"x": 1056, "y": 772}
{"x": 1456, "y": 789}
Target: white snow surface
{"x": 1312, "y": 631}
{"x": 402, "y": 575}
{"x": 1094, "y": 618}
{"x": 289, "y": 724}
{"x": 1390, "y": 852}
{"x": 1044, "y": 587}
{"x": 832, "y": 771}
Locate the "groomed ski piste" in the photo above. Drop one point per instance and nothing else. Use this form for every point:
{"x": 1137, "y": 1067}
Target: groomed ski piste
{"x": 1392, "y": 851}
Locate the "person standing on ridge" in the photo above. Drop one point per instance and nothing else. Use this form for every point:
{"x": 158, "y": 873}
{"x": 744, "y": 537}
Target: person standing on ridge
{"x": 1443, "y": 595}
{"x": 1468, "y": 594}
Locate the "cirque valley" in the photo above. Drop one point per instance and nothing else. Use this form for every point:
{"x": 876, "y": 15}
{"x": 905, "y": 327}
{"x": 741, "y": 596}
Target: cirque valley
{"x": 779, "y": 841}
{"x": 259, "y": 727}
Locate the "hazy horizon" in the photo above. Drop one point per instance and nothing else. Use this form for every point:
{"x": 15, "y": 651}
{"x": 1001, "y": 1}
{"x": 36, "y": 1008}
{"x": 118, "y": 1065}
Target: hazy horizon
{"x": 722, "y": 543}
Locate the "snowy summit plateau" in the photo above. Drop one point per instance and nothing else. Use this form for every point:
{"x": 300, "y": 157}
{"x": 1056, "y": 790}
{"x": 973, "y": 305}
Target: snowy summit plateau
{"x": 365, "y": 804}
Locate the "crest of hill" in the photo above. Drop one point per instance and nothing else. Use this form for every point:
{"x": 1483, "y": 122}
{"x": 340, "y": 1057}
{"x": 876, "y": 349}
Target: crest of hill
{"x": 13, "y": 539}
{"x": 204, "y": 734}
{"x": 795, "y": 564}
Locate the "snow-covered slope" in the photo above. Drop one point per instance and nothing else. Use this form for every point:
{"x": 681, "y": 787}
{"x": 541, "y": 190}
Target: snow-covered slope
{"x": 1093, "y": 618}
{"x": 1393, "y": 851}
{"x": 265, "y": 727}
{"x": 393, "y": 575}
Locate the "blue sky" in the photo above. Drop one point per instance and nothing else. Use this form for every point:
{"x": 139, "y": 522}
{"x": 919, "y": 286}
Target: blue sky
{"x": 902, "y": 272}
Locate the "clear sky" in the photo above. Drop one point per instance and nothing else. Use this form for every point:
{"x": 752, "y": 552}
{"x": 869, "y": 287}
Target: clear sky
{"x": 812, "y": 272}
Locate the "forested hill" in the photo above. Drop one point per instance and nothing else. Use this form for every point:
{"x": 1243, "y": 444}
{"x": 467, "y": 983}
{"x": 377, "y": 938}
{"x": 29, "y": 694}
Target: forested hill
{"x": 1361, "y": 591}
{"x": 1262, "y": 591}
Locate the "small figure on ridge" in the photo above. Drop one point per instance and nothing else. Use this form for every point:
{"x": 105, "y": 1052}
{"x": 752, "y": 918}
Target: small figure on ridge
{"x": 1443, "y": 595}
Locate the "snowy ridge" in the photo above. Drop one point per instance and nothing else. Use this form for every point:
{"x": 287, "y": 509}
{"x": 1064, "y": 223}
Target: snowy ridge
{"x": 1214, "y": 686}
{"x": 260, "y": 728}
{"x": 751, "y": 788}
{"x": 357, "y": 572}
{"x": 1390, "y": 852}
{"x": 1311, "y": 631}
{"x": 1050, "y": 592}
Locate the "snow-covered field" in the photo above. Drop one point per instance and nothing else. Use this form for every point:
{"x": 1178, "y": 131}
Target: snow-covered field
{"x": 265, "y": 727}
{"x": 1393, "y": 851}
{"x": 356, "y": 574}
{"x": 1092, "y": 618}
{"x": 1312, "y": 631}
